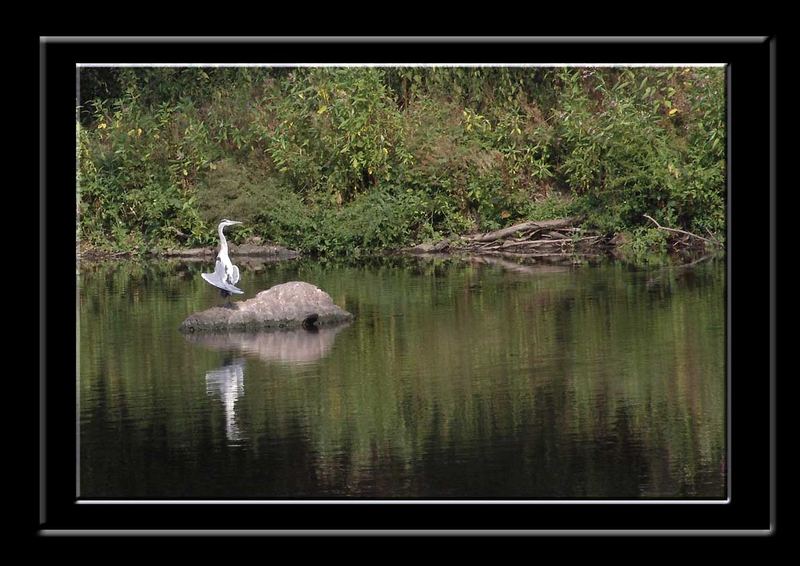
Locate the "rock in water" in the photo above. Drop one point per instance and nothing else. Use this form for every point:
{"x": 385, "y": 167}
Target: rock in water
{"x": 288, "y": 305}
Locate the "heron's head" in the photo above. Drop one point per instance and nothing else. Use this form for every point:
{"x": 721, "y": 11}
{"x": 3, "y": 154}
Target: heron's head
{"x": 225, "y": 222}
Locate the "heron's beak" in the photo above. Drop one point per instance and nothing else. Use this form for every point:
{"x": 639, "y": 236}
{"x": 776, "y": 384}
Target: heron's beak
{"x": 232, "y": 222}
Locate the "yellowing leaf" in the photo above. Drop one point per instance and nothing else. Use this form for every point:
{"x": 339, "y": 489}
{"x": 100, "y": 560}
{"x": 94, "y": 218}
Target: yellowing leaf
{"x": 322, "y": 109}
{"x": 673, "y": 111}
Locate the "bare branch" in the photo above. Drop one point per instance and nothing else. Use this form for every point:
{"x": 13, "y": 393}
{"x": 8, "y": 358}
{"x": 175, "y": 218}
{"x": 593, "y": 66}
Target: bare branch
{"x": 675, "y": 230}
{"x": 543, "y": 224}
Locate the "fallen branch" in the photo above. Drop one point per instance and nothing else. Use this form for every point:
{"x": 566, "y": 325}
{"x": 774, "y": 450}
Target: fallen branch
{"x": 498, "y": 234}
{"x": 551, "y": 238}
{"x": 675, "y": 230}
{"x": 713, "y": 237}
{"x": 491, "y": 245}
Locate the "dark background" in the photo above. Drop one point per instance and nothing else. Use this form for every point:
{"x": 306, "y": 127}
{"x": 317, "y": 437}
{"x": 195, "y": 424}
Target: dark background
{"x": 749, "y": 292}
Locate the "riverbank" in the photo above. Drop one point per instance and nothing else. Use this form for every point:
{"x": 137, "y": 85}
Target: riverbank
{"x": 246, "y": 251}
{"x": 562, "y": 238}
{"x": 558, "y": 241}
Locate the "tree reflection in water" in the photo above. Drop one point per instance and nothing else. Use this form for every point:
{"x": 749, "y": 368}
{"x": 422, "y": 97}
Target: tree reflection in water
{"x": 456, "y": 379}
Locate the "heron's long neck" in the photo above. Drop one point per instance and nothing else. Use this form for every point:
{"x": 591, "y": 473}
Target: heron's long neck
{"x": 223, "y": 249}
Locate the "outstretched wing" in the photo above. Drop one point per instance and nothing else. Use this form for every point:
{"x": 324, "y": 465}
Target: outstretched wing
{"x": 219, "y": 270}
{"x": 217, "y": 279}
{"x": 234, "y": 275}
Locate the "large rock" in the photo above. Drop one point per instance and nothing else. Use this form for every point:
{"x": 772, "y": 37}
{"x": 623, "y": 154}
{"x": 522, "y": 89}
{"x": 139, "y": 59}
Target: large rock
{"x": 288, "y": 305}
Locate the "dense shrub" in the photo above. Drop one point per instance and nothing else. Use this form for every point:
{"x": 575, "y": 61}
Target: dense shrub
{"x": 137, "y": 173}
{"x": 338, "y": 161}
{"x": 627, "y": 151}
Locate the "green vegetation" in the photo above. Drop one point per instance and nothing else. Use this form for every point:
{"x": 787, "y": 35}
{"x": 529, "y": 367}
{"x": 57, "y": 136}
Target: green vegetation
{"x": 351, "y": 161}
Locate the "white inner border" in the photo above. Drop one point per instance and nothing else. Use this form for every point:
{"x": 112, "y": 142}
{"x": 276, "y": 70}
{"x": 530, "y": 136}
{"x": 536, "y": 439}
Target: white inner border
{"x": 420, "y": 501}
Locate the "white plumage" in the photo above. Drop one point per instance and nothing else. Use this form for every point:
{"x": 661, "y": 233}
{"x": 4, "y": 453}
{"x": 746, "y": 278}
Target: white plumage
{"x": 225, "y": 275}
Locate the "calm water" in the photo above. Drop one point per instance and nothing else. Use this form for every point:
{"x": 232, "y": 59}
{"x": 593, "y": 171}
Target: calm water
{"x": 457, "y": 379}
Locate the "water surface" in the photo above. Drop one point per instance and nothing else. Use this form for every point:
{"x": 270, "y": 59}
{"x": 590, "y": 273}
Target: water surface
{"x": 457, "y": 379}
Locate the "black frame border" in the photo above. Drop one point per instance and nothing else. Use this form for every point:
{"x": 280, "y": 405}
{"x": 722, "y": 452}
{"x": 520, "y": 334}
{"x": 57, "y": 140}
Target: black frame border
{"x": 751, "y": 63}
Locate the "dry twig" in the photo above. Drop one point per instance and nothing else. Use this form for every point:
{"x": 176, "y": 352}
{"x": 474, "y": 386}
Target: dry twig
{"x": 675, "y": 230}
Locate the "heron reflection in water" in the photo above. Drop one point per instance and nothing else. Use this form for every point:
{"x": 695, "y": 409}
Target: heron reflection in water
{"x": 228, "y": 383}
{"x": 225, "y": 275}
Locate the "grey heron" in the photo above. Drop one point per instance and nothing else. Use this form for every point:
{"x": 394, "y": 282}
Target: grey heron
{"x": 225, "y": 275}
